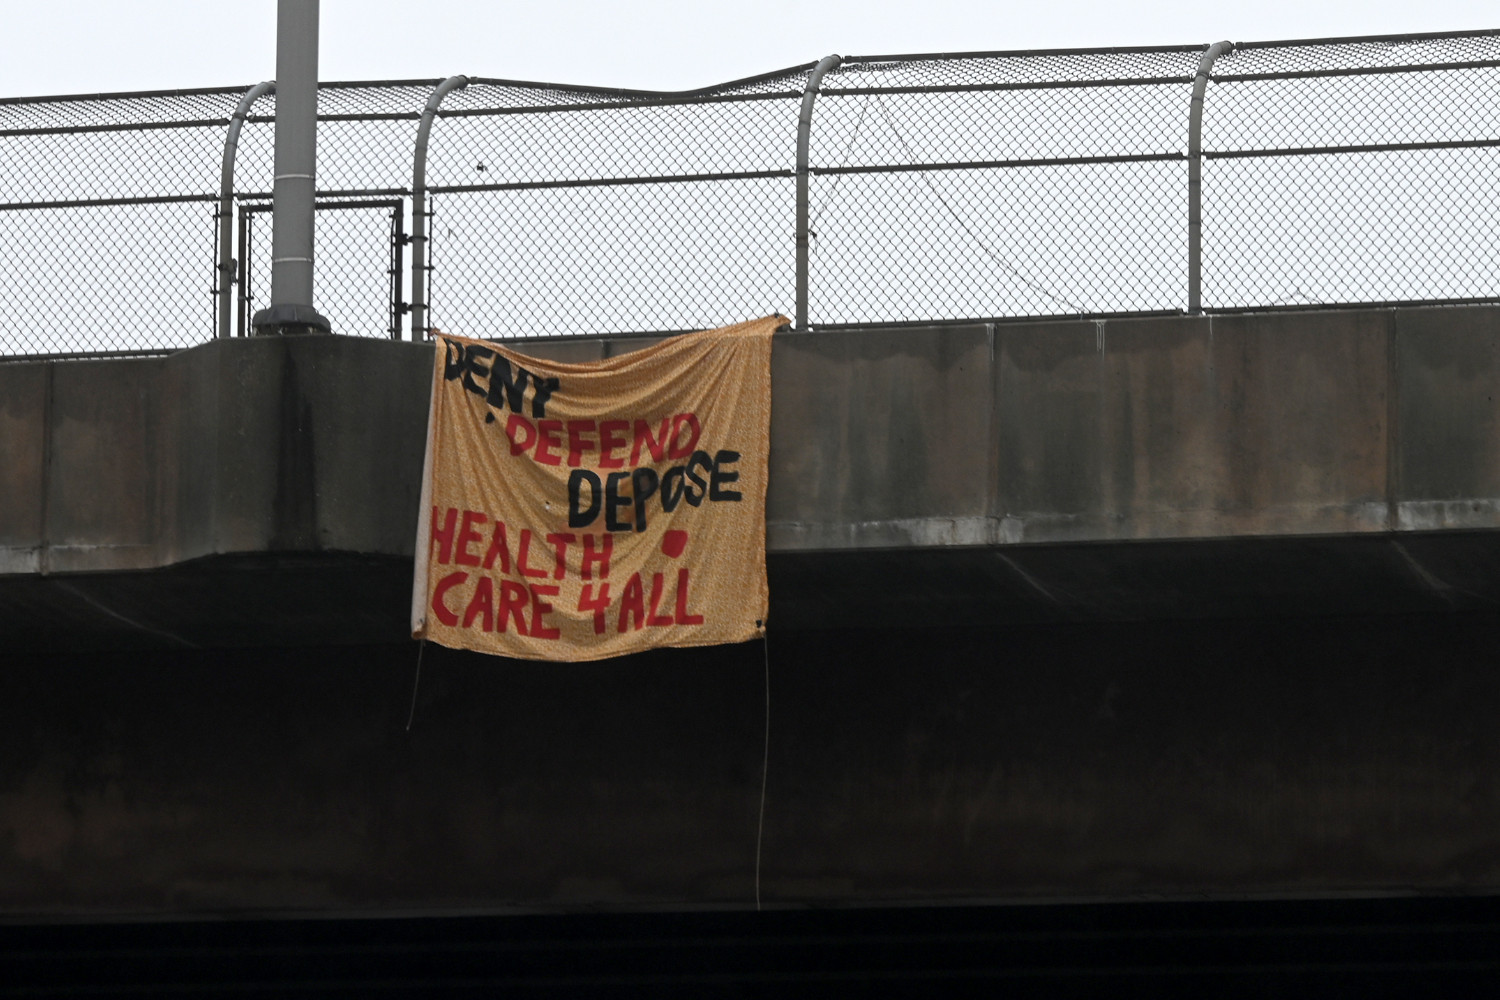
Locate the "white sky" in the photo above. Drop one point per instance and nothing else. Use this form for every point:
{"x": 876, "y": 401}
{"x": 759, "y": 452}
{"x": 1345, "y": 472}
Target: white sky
{"x": 94, "y": 46}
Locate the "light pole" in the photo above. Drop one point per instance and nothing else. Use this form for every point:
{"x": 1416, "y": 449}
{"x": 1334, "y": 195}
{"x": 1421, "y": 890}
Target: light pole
{"x": 291, "y": 310}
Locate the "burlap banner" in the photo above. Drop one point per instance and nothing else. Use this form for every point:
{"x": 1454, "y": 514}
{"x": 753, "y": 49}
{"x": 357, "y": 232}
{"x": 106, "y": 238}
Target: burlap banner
{"x": 581, "y": 511}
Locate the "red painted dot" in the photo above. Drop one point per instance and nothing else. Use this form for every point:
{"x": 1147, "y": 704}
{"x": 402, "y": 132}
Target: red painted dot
{"x": 673, "y": 542}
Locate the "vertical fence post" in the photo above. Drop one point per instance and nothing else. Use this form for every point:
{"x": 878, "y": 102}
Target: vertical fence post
{"x": 398, "y": 241}
{"x": 419, "y": 207}
{"x": 1195, "y": 175}
{"x": 226, "y": 202}
{"x": 804, "y": 133}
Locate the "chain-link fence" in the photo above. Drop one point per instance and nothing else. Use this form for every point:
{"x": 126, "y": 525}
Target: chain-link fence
{"x": 934, "y": 188}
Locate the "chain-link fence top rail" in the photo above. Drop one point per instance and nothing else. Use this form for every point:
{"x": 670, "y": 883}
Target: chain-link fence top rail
{"x": 940, "y": 187}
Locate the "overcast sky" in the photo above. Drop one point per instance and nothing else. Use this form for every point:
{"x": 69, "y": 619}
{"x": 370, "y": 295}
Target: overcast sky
{"x": 92, "y": 46}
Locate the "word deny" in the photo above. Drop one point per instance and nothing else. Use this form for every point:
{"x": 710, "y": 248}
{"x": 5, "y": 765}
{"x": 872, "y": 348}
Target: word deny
{"x": 489, "y": 375}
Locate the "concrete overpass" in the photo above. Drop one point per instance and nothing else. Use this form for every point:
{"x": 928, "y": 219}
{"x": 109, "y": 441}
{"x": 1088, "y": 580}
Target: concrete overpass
{"x": 1170, "y": 606}
{"x": 1311, "y": 462}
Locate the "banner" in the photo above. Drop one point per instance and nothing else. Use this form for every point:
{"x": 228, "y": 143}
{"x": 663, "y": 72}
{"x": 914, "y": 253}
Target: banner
{"x": 582, "y": 511}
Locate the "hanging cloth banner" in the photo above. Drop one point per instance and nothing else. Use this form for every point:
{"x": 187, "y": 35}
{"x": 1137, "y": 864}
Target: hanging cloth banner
{"x": 582, "y": 511}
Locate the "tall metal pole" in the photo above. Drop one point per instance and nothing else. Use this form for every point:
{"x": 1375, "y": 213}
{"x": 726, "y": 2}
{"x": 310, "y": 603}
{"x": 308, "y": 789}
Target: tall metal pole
{"x": 1195, "y": 175}
{"x": 804, "y": 134}
{"x": 419, "y": 206}
{"x": 291, "y": 309}
{"x": 226, "y": 202}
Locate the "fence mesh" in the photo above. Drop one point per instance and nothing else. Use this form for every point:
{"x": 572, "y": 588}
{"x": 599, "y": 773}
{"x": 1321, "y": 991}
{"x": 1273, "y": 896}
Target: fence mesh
{"x": 360, "y": 252}
{"x": 940, "y": 187}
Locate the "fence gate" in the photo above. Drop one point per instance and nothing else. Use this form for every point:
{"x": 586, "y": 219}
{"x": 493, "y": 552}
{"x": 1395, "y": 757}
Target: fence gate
{"x": 360, "y": 248}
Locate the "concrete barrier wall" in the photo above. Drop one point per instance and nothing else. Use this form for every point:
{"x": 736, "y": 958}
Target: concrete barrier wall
{"x": 296, "y": 445}
{"x": 969, "y": 435}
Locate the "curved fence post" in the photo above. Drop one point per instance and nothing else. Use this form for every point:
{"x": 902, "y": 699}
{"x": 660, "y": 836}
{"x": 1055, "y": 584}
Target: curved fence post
{"x": 1195, "y": 175}
{"x": 419, "y": 207}
{"x": 804, "y": 133}
{"x": 226, "y": 201}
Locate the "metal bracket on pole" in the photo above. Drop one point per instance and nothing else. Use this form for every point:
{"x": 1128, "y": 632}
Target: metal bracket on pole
{"x": 804, "y": 133}
{"x": 419, "y": 207}
{"x": 226, "y": 201}
{"x": 1195, "y": 175}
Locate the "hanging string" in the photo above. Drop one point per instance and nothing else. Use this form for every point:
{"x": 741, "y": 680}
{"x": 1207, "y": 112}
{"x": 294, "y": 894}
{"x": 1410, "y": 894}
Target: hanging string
{"x": 818, "y": 210}
{"x": 1005, "y": 263}
{"x": 415, "y": 682}
{"x": 765, "y": 766}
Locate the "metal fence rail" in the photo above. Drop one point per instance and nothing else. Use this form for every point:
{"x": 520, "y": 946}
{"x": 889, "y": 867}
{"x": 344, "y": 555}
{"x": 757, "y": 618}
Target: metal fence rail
{"x": 924, "y": 188}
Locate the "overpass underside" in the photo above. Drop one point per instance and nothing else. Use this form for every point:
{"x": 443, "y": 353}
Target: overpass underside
{"x": 1162, "y": 606}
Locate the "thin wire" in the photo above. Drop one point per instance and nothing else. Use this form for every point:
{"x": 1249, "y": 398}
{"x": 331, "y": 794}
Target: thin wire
{"x": 765, "y": 766}
{"x": 994, "y": 255}
{"x": 416, "y": 681}
{"x": 859, "y": 124}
